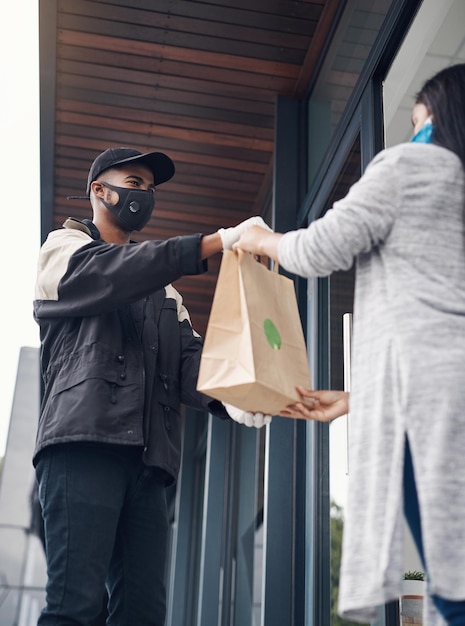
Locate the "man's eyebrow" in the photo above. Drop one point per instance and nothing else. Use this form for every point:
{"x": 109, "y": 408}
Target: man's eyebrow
{"x": 138, "y": 178}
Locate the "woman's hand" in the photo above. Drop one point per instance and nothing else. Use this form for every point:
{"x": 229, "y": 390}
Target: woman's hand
{"x": 260, "y": 242}
{"x": 322, "y": 406}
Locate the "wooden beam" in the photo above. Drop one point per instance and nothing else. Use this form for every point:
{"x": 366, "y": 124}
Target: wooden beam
{"x": 328, "y": 16}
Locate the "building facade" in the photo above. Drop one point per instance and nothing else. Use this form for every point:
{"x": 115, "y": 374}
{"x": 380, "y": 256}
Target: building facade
{"x": 257, "y": 516}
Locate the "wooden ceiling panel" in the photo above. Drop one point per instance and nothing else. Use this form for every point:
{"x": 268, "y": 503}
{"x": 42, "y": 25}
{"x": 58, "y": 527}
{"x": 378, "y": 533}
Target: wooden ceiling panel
{"x": 195, "y": 79}
{"x": 221, "y": 79}
{"x": 198, "y": 25}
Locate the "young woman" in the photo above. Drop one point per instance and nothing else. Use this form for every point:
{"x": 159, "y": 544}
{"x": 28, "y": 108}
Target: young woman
{"x": 403, "y": 225}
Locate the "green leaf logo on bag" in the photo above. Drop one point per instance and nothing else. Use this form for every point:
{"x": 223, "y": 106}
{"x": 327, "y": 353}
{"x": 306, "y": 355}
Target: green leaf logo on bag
{"x": 272, "y": 334}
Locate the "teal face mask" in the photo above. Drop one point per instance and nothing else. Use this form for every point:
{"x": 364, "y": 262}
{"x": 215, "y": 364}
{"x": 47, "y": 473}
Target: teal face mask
{"x": 425, "y": 134}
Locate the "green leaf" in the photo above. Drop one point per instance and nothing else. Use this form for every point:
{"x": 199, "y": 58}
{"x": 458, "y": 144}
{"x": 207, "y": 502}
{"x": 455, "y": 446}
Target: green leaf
{"x": 414, "y": 575}
{"x": 272, "y": 334}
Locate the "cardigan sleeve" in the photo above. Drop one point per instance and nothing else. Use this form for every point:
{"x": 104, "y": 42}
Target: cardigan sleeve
{"x": 354, "y": 225}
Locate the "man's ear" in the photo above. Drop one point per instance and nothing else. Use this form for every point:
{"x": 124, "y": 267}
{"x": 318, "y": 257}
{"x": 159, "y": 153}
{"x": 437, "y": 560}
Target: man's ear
{"x": 98, "y": 189}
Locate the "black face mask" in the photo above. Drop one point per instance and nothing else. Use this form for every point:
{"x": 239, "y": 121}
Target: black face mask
{"x": 134, "y": 207}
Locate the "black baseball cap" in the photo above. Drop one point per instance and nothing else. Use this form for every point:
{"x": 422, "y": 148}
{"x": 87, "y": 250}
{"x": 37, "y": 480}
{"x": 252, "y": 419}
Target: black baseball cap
{"x": 159, "y": 163}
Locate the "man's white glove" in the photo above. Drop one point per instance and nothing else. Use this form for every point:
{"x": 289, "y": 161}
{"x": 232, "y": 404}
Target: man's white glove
{"x": 244, "y": 417}
{"x": 229, "y": 236}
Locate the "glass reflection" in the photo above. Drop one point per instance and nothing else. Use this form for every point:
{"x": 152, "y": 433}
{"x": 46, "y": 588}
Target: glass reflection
{"x": 350, "y": 48}
{"x": 341, "y": 290}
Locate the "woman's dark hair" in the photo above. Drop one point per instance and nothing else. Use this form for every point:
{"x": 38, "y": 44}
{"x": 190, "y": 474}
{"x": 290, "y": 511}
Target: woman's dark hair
{"x": 444, "y": 97}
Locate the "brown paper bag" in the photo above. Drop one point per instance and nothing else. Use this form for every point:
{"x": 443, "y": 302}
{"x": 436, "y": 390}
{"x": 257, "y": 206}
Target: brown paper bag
{"x": 254, "y": 353}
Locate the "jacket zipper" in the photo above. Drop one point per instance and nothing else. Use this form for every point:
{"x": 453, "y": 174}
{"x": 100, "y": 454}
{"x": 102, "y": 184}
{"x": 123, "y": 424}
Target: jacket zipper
{"x": 142, "y": 369}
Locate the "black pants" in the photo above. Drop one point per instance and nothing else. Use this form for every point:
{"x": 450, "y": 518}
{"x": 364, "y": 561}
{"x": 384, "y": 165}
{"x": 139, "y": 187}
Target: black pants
{"x": 105, "y": 522}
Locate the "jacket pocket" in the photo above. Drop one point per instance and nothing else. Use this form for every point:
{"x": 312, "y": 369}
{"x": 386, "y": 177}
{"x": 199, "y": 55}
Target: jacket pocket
{"x": 168, "y": 391}
{"x": 91, "y": 362}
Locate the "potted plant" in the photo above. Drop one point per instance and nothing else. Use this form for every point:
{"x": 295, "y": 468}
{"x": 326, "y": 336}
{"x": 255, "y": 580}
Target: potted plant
{"x": 411, "y": 603}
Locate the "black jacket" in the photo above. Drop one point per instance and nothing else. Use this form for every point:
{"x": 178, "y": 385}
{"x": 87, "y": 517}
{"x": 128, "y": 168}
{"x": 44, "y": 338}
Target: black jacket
{"x": 118, "y": 353}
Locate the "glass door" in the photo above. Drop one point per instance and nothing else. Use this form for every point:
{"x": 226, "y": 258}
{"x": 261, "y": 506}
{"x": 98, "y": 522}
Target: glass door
{"x": 341, "y": 293}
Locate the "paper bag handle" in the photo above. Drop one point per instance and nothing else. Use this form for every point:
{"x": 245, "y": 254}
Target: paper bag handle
{"x": 263, "y": 260}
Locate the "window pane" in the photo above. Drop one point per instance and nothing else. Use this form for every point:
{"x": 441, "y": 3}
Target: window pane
{"x": 341, "y": 290}
{"x": 350, "y": 48}
{"x": 434, "y": 41}
{"x": 246, "y": 596}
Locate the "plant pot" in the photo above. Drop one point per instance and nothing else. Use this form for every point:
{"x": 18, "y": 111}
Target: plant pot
{"x": 411, "y": 602}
